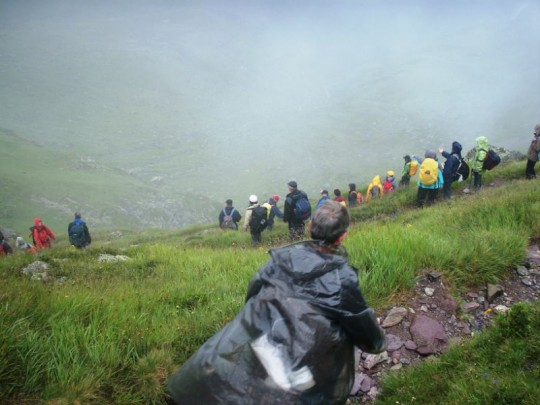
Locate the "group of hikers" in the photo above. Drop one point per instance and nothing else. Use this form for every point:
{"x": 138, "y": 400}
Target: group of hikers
{"x": 432, "y": 176}
{"x": 293, "y": 341}
{"x": 42, "y": 237}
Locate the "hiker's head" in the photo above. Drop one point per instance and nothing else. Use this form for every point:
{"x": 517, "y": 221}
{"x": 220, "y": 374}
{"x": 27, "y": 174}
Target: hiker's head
{"x": 456, "y": 147}
{"x": 390, "y": 173}
{"x": 407, "y": 158}
{"x": 352, "y": 186}
{"x": 329, "y": 223}
{"x": 275, "y": 198}
{"x": 228, "y": 203}
{"x": 537, "y": 130}
{"x": 292, "y": 185}
{"x": 253, "y": 199}
{"x": 430, "y": 154}
{"x": 77, "y": 215}
{"x": 37, "y": 222}
{"x": 337, "y": 192}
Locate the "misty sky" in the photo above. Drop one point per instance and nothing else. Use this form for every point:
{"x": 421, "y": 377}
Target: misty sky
{"x": 229, "y": 98}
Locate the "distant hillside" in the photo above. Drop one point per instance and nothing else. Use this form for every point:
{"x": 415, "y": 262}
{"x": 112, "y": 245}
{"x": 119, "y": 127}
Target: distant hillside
{"x": 37, "y": 181}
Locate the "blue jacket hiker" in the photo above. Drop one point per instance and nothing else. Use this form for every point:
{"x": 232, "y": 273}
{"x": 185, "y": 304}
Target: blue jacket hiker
{"x": 323, "y": 199}
{"x": 78, "y": 233}
{"x": 273, "y": 212}
{"x": 451, "y": 166}
{"x": 229, "y": 216}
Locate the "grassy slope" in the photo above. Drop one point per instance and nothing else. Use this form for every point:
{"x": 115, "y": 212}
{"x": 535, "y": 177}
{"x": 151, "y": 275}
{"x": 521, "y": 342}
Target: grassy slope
{"x": 113, "y": 332}
{"x": 54, "y": 185}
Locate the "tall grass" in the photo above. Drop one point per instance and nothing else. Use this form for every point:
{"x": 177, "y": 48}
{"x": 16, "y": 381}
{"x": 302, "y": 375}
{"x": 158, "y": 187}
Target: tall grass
{"x": 113, "y": 332}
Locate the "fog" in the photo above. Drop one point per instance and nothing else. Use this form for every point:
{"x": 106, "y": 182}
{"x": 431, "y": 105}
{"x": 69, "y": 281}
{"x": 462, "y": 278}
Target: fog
{"x": 223, "y": 99}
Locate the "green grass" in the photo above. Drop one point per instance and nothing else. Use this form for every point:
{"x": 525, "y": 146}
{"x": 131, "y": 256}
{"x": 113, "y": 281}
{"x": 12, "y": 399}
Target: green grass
{"x": 113, "y": 332}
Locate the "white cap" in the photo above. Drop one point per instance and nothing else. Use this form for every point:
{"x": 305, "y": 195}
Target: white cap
{"x": 253, "y": 198}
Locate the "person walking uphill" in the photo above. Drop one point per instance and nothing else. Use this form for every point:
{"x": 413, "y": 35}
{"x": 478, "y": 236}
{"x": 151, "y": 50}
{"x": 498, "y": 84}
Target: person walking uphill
{"x": 78, "y": 233}
{"x": 41, "y": 234}
{"x": 533, "y": 154}
{"x": 296, "y": 210}
{"x": 293, "y": 341}
{"x": 451, "y": 166}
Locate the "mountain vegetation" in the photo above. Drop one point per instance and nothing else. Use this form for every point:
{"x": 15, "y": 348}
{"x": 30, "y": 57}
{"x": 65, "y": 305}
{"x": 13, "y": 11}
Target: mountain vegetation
{"x": 110, "y": 323}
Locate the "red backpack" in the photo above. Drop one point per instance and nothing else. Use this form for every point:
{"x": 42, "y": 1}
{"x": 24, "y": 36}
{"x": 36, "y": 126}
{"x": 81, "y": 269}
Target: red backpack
{"x": 387, "y": 186}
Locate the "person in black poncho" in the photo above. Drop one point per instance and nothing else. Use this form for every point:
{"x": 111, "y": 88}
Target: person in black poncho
{"x": 293, "y": 341}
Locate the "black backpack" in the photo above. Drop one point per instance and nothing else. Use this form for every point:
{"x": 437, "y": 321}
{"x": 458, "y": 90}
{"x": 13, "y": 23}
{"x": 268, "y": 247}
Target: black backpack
{"x": 491, "y": 160}
{"x": 462, "y": 172}
{"x": 259, "y": 219}
{"x": 32, "y": 235}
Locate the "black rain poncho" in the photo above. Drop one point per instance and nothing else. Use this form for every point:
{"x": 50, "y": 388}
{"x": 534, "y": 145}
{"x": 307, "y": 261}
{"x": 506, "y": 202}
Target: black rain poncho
{"x": 292, "y": 342}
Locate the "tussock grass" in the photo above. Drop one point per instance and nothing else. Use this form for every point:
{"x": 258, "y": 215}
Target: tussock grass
{"x": 113, "y": 332}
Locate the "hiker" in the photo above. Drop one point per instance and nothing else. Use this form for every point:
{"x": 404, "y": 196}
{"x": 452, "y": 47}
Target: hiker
{"x": 429, "y": 180}
{"x": 339, "y": 198}
{"x": 5, "y": 249}
{"x": 390, "y": 183}
{"x": 450, "y": 169}
{"x": 78, "y": 233}
{"x": 296, "y": 210}
{"x": 405, "y": 173}
{"x": 229, "y": 216}
{"x": 482, "y": 147}
{"x": 41, "y": 234}
{"x": 533, "y": 154}
{"x": 323, "y": 199}
{"x": 255, "y": 220}
{"x": 273, "y": 211}
{"x": 354, "y": 197}
{"x": 374, "y": 189}
{"x": 293, "y": 341}
{"x": 23, "y": 245}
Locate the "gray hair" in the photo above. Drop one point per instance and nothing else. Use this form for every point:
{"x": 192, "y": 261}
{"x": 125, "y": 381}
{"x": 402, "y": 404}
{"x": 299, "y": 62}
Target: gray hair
{"x": 329, "y": 222}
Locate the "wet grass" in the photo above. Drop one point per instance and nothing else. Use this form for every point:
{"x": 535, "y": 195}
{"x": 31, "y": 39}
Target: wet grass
{"x": 100, "y": 332}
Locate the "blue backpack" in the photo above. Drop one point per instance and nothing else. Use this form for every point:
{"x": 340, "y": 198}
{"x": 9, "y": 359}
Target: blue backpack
{"x": 302, "y": 208}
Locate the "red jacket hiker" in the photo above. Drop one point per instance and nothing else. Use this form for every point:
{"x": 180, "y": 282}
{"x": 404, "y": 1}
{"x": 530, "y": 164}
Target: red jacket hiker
{"x": 42, "y": 235}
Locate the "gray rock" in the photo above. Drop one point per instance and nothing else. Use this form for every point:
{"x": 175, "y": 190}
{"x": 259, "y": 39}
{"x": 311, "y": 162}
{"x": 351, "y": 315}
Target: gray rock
{"x": 393, "y": 342}
{"x": 36, "y": 267}
{"x": 494, "y": 291}
{"x": 526, "y": 281}
{"x": 394, "y": 317}
{"x": 373, "y": 359}
{"x": 433, "y": 276}
{"x": 429, "y": 291}
{"x": 522, "y": 271}
{"x": 470, "y": 306}
{"x": 428, "y": 334}
{"x": 366, "y": 384}
{"x": 410, "y": 345}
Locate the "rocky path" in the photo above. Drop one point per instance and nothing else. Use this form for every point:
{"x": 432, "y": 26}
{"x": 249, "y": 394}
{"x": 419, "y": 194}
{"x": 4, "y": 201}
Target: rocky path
{"x": 429, "y": 322}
